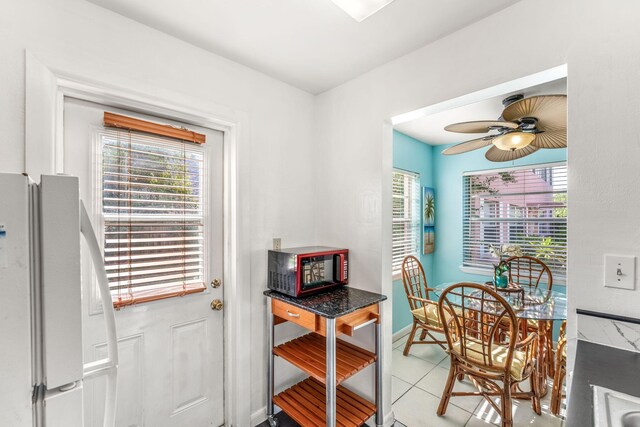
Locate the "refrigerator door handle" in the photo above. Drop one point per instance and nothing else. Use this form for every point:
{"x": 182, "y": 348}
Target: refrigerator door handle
{"x": 108, "y": 366}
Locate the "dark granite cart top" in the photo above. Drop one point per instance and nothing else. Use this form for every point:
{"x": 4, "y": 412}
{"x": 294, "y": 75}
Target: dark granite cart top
{"x": 333, "y": 303}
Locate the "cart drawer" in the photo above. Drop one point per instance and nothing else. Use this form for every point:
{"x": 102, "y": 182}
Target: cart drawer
{"x": 288, "y": 312}
{"x": 349, "y": 322}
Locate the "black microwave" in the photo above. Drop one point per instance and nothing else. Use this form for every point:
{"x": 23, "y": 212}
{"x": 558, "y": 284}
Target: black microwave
{"x": 303, "y": 271}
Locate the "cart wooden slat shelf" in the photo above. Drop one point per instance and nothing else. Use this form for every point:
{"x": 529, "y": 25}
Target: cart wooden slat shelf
{"x": 305, "y": 403}
{"x": 308, "y": 353}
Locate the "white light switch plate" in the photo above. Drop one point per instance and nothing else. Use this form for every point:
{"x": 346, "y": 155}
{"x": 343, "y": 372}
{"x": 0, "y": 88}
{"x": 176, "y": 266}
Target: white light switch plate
{"x": 620, "y": 271}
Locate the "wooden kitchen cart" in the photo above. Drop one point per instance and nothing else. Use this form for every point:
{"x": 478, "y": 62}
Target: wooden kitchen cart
{"x": 320, "y": 400}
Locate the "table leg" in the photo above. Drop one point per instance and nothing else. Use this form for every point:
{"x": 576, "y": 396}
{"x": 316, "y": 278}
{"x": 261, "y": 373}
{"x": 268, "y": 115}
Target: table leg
{"x": 541, "y": 364}
{"x": 330, "y": 379}
{"x": 551, "y": 357}
{"x": 379, "y": 417}
{"x": 270, "y": 389}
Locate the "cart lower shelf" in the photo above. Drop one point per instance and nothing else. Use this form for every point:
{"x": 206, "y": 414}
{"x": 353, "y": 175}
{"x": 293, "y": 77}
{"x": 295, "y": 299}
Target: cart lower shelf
{"x": 308, "y": 353}
{"x": 305, "y": 403}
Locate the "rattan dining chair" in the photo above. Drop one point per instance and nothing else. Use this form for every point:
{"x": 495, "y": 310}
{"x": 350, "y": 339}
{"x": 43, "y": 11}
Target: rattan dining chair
{"x": 424, "y": 310}
{"x": 495, "y": 362}
{"x": 530, "y": 272}
{"x": 560, "y": 371}
{"x": 527, "y": 271}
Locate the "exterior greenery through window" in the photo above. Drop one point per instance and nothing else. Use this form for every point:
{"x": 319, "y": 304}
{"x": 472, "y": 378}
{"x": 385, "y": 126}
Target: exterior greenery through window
{"x": 406, "y": 217}
{"x": 523, "y": 206}
{"x": 153, "y": 211}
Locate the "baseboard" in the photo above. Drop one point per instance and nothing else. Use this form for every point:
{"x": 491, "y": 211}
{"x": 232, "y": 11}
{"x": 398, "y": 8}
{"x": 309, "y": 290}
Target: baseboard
{"x": 402, "y": 332}
{"x": 259, "y": 416}
{"x": 389, "y": 420}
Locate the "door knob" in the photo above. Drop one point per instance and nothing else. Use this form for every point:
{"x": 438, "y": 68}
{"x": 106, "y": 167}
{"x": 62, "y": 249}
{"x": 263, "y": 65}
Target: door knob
{"x": 215, "y": 283}
{"x": 217, "y": 305}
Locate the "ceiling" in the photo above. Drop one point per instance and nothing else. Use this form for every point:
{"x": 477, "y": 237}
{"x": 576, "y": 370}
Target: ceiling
{"x": 311, "y": 44}
{"x": 430, "y": 129}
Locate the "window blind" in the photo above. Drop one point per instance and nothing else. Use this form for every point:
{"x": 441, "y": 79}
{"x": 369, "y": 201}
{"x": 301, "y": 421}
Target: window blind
{"x": 153, "y": 209}
{"x": 524, "y": 206}
{"x": 406, "y": 217}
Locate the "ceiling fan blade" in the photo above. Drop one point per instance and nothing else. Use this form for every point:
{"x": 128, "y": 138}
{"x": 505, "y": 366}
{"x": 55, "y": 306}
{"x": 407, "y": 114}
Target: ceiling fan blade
{"x": 482, "y": 126}
{"x": 550, "y": 110}
{"x": 464, "y": 147}
{"x": 497, "y": 155}
{"x": 551, "y": 139}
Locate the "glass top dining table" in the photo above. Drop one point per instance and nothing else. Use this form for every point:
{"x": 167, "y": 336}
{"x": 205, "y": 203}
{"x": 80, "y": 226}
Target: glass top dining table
{"x": 538, "y": 303}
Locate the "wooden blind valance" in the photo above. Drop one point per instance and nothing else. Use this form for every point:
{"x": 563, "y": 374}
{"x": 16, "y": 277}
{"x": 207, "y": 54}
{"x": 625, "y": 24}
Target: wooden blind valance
{"x": 130, "y": 123}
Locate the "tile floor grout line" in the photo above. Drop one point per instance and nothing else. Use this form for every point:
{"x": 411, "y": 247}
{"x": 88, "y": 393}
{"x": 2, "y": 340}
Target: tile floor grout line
{"x": 437, "y": 397}
{"x": 400, "y": 397}
{"x": 451, "y": 402}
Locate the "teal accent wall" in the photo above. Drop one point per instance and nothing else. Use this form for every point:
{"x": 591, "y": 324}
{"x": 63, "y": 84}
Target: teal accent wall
{"x": 414, "y": 156}
{"x": 444, "y": 174}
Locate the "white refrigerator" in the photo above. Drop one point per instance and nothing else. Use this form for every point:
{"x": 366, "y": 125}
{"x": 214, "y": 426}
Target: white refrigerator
{"x": 41, "y": 353}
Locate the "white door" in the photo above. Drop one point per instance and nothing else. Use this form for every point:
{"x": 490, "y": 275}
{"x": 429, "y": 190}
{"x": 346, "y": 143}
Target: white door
{"x": 171, "y": 350}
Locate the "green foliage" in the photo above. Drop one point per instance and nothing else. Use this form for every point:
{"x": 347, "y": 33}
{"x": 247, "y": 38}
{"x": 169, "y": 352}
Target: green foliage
{"x": 544, "y": 248}
{"x": 482, "y": 183}
{"x": 560, "y": 212}
{"x": 173, "y": 172}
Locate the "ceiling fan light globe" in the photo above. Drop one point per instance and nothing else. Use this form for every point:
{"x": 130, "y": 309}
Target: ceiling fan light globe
{"x": 513, "y": 140}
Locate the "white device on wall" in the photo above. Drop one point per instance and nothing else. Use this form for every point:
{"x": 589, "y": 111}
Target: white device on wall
{"x": 620, "y": 271}
{"x": 43, "y": 369}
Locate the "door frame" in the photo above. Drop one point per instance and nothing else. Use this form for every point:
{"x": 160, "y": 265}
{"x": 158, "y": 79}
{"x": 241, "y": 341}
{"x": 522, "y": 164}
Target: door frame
{"x": 44, "y": 112}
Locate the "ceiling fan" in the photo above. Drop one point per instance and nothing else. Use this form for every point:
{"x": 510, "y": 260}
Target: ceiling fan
{"x": 526, "y": 125}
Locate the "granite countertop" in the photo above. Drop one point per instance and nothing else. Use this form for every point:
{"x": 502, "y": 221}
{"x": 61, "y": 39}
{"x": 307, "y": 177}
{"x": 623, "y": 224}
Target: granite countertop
{"x": 601, "y": 365}
{"x": 332, "y": 303}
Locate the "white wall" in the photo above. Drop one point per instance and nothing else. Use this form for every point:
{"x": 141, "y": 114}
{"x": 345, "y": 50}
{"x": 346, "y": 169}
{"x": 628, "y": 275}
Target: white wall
{"x": 79, "y": 39}
{"x": 598, "y": 39}
{"x": 344, "y": 129}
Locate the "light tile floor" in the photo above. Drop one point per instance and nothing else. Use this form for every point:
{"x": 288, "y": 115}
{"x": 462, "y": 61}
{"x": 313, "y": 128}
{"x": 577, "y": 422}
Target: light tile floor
{"x": 417, "y": 384}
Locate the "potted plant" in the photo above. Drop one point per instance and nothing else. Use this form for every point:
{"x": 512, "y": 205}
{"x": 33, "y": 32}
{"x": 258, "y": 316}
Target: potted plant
{"x": 500, "y": 280}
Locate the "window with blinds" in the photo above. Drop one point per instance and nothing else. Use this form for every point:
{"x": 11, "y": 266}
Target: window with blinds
{"x": 406, "y": 217}
{"x": 153, "y": 202}
{"x": 523, "y": 206}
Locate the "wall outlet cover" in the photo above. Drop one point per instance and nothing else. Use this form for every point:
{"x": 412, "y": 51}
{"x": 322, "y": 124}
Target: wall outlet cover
{"x": 277, "y": 243}
{"x": 620, "y": 271}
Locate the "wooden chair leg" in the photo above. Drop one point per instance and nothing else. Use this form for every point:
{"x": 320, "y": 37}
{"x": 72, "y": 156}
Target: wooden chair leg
{"x": 448, "y": 389}
{"x": 505, "y": 405}
{"x": 407, "y": 346}
{"x": 423, "y": 335}
{"x": 535, "y": 392}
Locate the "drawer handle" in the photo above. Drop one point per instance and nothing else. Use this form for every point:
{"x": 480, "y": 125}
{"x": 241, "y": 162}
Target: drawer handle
{"x": 292, "y": 314}
{"x": 350, "y": 328}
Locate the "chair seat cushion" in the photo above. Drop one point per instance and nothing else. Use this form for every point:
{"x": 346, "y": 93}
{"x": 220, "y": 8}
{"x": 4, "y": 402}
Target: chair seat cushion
{"x": 498, "y": 356}
{"x": 432, "y": 317}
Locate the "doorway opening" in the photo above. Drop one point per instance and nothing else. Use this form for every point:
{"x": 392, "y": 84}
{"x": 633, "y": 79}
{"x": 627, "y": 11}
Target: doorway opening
{"x": 453, "y": 215}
